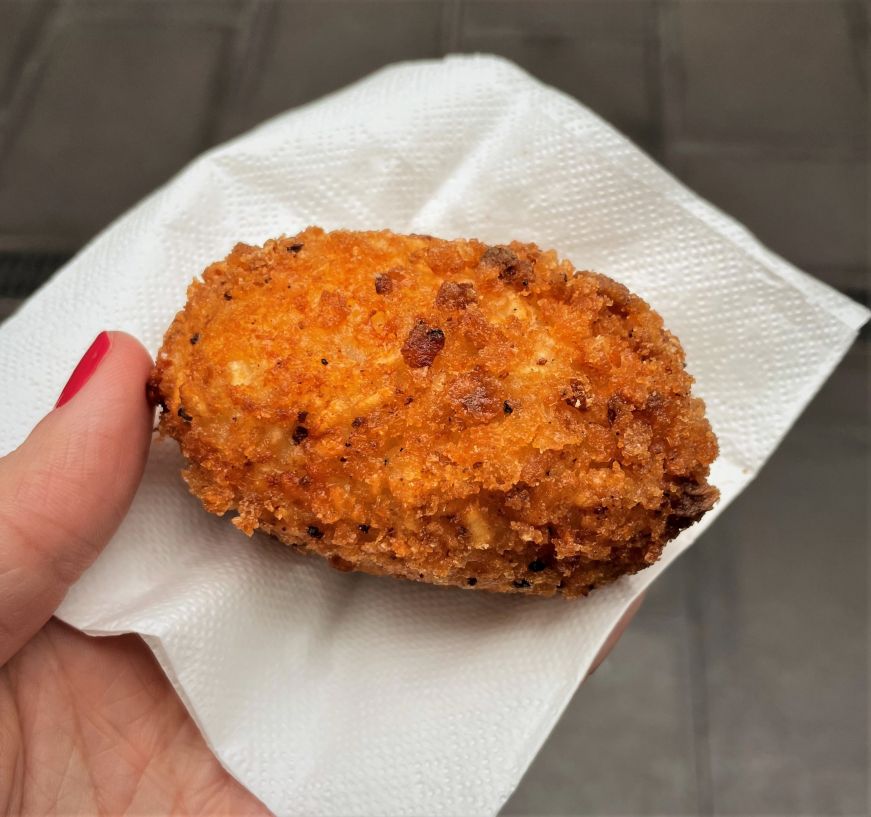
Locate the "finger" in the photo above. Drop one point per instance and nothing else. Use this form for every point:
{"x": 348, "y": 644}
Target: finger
{"x": 65, "y": 490}
{"x": 616, "y": 633}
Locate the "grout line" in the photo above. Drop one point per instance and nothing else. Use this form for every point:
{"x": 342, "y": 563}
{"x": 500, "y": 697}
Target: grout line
{"x": 12, "y": 243}
{"x": 20, "y": 275}
{"x": 836, "y": 154}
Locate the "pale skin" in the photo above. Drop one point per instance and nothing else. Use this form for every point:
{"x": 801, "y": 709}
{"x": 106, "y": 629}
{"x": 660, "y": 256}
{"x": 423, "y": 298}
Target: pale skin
{"x": 91, "y": 725}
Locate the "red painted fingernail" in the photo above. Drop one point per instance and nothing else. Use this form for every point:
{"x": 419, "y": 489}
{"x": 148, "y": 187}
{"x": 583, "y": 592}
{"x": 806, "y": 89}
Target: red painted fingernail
{"x": 85, "y": 368}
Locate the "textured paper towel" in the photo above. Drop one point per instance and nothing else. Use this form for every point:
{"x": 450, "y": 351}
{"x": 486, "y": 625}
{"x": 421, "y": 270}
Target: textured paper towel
{"x": 335, "y": 694}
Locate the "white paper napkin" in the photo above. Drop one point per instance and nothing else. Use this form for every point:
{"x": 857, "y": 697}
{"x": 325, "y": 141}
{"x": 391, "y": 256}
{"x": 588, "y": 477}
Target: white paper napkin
{"x": 336, "y": 694}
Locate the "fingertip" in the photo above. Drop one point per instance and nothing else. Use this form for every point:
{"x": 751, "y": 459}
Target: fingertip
{"x": 110, "y": 415}
{"x": 130, "y": 346}
{"x": 131, "y": 366}
{"x": 123, "y": 355}
{"x": 65, "y": 490}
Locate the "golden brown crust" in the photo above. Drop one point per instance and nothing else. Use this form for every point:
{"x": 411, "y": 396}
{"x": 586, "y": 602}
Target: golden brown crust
{"x": 439, "y": 410}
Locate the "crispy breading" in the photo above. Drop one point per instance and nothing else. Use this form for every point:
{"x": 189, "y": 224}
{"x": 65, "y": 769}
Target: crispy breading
{"x": 443, "y": 411}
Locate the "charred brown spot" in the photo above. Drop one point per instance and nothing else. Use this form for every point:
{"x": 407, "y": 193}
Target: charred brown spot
{"x": 184, "y": 415}
{"x": 383, "y": 283}
{"x": 455, "y": 295}
{"x": 520, "y": 584}
{"x": 619, "y": 298}
{"x": 357, "y": 422}
{"x": 471, "y": 581}
{"x": 154, "y": 396}
{"x": 294, "y": 248}
{"x": 513, "y": 269}
{"x": 228, "y": 296}
{"x": 536, "y": 566}
{"x": 299, "y": 434}
{"x": 687, "y": 503}
{"x": 692, "y": 498}
{"x": 578, "y": 394}
{"x": 302, "y": 416}
{"x": 422, "y": 345}
{"x": 195, "y": 338}
{"x": 617, "y": 405}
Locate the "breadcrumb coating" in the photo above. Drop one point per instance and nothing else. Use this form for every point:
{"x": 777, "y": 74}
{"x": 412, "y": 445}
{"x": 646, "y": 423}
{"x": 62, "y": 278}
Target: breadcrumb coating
{"x": 444, "y": 411}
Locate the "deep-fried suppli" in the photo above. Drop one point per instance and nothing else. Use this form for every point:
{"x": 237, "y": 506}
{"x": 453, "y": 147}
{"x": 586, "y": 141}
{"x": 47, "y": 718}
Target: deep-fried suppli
{"x": 444, "y": 411}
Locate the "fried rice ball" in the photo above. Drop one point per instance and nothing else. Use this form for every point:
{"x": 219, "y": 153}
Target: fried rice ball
{"x": 443, "y": 411}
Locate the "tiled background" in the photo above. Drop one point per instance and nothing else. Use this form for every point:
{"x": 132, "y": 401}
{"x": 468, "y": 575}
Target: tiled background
{"x": 742, "y": 687}
{"x": 760, "y": 105}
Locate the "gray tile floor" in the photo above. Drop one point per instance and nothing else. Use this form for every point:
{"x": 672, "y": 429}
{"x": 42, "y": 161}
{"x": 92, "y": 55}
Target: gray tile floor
{"x": 760, "y": 105}
{"x": 742, "y": 686}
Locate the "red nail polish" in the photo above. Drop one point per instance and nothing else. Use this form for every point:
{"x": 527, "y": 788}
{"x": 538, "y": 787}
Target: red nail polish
{"x": 85, "y": 368}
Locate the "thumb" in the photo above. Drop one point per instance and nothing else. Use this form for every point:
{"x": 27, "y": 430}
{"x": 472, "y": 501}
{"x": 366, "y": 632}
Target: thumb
{"x": 66, "y": 489}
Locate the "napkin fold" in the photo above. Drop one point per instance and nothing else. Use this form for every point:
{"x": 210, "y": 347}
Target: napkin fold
{"x": 339, "y": 694}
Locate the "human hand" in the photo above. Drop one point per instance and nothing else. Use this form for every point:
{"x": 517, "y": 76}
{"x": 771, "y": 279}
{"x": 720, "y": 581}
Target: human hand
{"x": 91, "y": 725}
{"x": 88, "y": 725}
